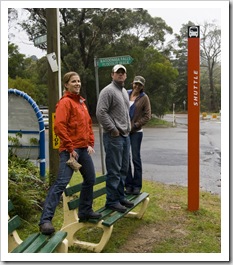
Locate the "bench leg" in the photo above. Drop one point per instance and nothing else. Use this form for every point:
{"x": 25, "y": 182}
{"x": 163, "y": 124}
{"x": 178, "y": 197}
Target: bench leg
{"x": 13, "y": 241}
{"x": 141, "y": 211}
{"x": 63, "y": 247}
{"x": 72, "y": 228}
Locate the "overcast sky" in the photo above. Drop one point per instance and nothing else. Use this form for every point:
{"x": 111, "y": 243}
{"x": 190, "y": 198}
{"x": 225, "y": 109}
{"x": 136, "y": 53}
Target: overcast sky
{"x": 175, "y": 17}
{"x": 175, "y": 13}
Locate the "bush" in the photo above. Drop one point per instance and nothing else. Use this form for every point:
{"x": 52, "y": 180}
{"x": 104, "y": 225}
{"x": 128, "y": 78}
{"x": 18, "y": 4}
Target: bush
{"x": 25, "y": 188}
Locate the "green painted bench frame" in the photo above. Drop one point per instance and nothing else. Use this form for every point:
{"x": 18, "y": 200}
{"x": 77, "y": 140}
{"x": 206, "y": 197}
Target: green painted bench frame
{"x": 34, "y": 243}
{"x": 71, "y": 222}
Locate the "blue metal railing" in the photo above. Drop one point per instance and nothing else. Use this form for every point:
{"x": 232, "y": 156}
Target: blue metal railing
{"x": 41, "y": 127}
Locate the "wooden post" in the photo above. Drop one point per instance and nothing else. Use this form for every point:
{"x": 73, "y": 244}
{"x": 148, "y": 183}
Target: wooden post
{"x": 193, "y": 117}
{"x": 51, "y": 16}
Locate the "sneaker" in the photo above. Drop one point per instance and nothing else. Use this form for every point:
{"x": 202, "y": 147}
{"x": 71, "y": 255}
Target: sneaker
{"x": 91, "y": 215}
{"x": 47, "y": 229}
{"x": 117, "y": 207}
{"x": 127, "y": 203}
{"x": 136, "y": 191}
{"x": 128, "y": 190}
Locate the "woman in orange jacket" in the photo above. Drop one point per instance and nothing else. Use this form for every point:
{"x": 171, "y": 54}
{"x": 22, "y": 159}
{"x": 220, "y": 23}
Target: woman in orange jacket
{"x": 73, "y": 125}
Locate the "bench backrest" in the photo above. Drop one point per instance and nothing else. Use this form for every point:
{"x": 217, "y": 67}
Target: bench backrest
{"x": 14, "y": 222}
{"x": 72, "y": 190}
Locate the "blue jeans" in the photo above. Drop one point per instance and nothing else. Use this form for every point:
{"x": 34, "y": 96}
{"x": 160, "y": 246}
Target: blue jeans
{"x": 135, "y": 180}
{"x": 64, "y": 175}
{"x": 117, "y": 163}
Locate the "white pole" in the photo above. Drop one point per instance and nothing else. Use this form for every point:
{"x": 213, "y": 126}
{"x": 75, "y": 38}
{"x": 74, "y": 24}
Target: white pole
{"x": 174, "y": 117}
{"x": 59, "y": 55}
{"x": 100, "y": 127}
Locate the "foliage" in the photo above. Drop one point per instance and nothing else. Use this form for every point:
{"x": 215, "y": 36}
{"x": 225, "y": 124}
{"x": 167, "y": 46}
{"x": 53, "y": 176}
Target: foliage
{"x": 28, "y": 75}
{"x": 25, "y": 188}
{"x": 25, "y": 85}
{"x": 93, "y": 32}
{"x": 97, "y": 35}
{"x": 158, "y": 71}
{"x": 210, "y": 49}
{"x": 180, "y": 62}
{"x": 16, "y": 61}
{"x": 210, "y": 55}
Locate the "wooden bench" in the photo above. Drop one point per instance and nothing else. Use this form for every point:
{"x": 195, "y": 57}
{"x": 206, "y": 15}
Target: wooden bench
{"x": 36, "y": 242}
{"x": 71, "y": 222}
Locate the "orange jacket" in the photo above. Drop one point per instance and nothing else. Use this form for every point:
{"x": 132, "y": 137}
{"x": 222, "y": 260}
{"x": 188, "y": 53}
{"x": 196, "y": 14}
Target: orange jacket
{"x": 73, "y": 124}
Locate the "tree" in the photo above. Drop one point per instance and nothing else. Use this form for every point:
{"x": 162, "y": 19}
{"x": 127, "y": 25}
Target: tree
{"x": 16, "y": 61}
{"x": 25, "y": 85}
{"x": 90, "y": 32}
{"x": 210, "y": 53}
{"x": 161, "y": 76}
{"x": 28, "y": 75}
{"x": 180, "y": 46}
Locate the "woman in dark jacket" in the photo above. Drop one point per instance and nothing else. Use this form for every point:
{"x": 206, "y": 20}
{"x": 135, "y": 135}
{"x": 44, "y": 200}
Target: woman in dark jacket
{"x": 140, "y": 114}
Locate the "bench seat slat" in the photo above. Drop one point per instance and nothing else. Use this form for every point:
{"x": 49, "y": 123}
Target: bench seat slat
{"x": 140, "y": 198}
{"x": 104, "y": 211}
{"x": 114, "y": 217}
{"x": 110, "y": 217}
{"x": 53, "y": 242}
{"x": 36, "y": 244}
{"x": 10, "y": 206}
{"x": 24, "y": 245}
{"x": 131, "y": 197}
{"x": 117, "y": 215}
{"x": 13, "y": 224}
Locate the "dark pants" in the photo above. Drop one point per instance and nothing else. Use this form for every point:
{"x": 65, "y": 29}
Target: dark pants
{"x": 117, "y": 163}
{"x": 134, "y": 180}
{"x": 64, "y": 175}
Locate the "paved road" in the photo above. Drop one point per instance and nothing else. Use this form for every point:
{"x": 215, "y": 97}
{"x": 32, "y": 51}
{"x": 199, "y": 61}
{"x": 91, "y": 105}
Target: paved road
{"x": 164, "y": 154}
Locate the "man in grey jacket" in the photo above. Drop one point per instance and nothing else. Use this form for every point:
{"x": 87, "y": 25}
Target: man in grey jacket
{"x": 112, "y": 112}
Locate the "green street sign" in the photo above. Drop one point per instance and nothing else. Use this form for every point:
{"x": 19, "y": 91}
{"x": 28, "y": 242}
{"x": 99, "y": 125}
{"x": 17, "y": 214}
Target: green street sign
{"x": 39, "y": 40}
{"x": 110, "y": 61}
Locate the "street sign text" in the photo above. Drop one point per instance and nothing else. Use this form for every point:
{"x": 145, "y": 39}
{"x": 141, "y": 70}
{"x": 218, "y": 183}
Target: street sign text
{"x": 110, "y": 61}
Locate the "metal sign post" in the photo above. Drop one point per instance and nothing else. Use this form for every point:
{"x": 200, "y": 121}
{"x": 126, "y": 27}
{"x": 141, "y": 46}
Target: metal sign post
{"x": 100, "y": 127}
{"x": 105, "y": 62}
{"x": 193, "y": 117}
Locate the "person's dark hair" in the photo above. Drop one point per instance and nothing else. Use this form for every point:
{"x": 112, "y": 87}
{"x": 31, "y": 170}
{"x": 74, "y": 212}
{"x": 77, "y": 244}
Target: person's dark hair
{"x": 67, "y": 76}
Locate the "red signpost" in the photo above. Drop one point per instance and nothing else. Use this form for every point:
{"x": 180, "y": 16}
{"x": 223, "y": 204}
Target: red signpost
{"x": 193, "y": 117}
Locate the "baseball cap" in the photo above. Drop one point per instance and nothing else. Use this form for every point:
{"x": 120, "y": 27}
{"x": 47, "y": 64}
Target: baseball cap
{"x": 117, "y": 67}
{"x": 139, "y": 79}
